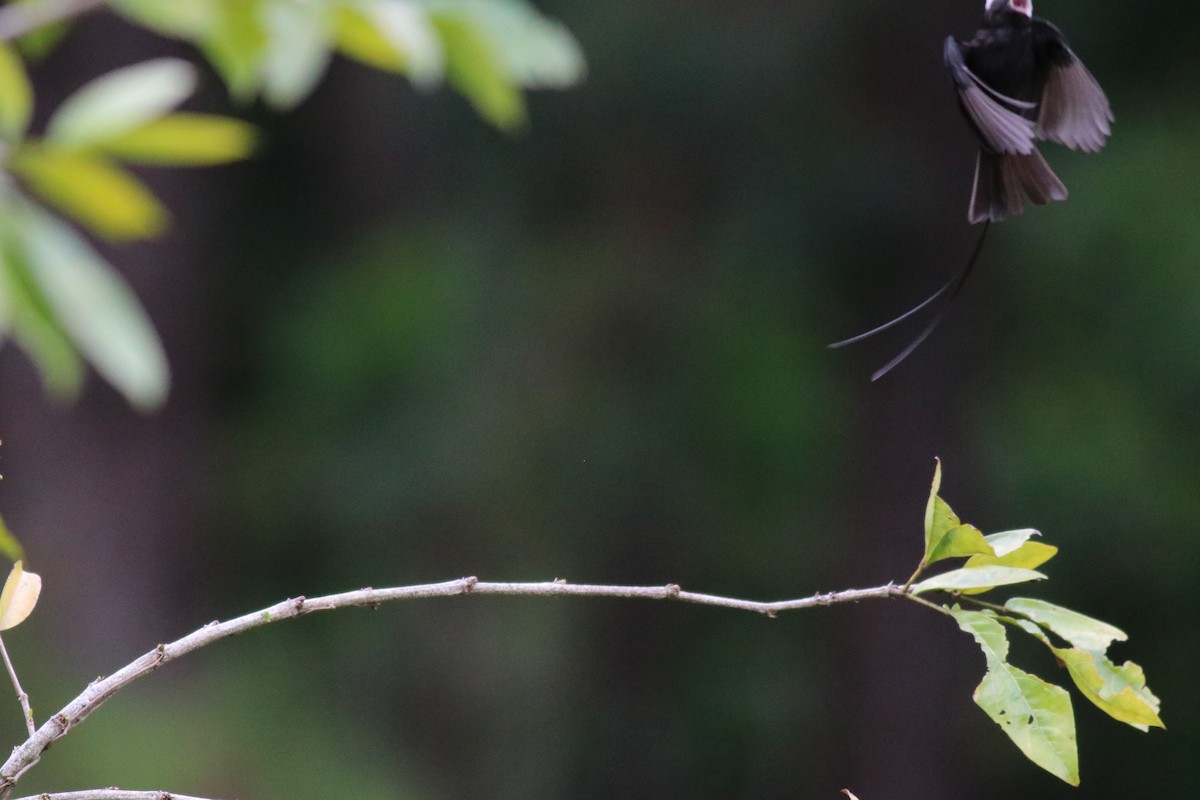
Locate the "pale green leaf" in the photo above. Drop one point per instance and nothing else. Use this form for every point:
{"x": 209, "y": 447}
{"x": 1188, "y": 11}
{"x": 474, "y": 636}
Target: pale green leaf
{"x": 535, "y": 52}
{"x": 396, "y": 36}
{"x": 958, "y": 580}
{"x": 38, "y": 333}
{"x": 1080, "y": 630}
{"x": 1006, "y": 542}
{"x": 94, "y": 191}
{"x": 96, "y": 308}
{"x": 297, "y": 54}
{"x": 1037, "y": 716}
{"x": 474, "y": 67}
{"x": 16, "y": 95}
{"x": 121, "y": 101}
{"x": 184, "y": 139}
{"x": 1120, "y": 692}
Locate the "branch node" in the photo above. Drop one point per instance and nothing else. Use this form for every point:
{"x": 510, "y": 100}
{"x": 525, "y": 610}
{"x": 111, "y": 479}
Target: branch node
{"x": 298, "y": 604}
{"x": 673, "y": 591}
{"x": 469, "y": 584}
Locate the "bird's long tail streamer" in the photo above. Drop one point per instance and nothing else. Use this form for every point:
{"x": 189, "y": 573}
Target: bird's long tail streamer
{"x": 953, "y": 286}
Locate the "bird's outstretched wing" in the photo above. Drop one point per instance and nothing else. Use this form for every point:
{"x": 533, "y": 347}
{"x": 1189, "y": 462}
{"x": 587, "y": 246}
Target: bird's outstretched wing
{"x": 995, "y": 116}
{"x": 1074, "y": 111}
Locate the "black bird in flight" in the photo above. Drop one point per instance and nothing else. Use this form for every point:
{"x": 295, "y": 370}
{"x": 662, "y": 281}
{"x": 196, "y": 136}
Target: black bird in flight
{"x": 1018, "y": 82}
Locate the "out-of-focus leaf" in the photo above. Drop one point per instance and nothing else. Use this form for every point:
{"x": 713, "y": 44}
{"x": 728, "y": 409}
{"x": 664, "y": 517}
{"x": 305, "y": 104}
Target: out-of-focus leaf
{"x": 96, "y": 308}
{"x": 473, "y": 66}
{"x": 93, "y": 190}
{"x": 1080, "y": 630}
{"x": 396, "y": 36}
{"x": 16, "y": 95}
{"x": 37, "y": 331}
{"x": 236, "y": 44}
{"x": 534, "y": 52}
{"x": 1120, "y": 692}
{"x": 39, "y": 42}
{"x": 1036, "y": 715}
{"x": 299, "y": 37}
{"x": 120, "y": 101}
{"x": 10, "y": 548}
{"x": 957, "y": 580}
{"x": 184, "y": 139}
{"x": 19, "y": 596}
{"x": 181, "y": 18}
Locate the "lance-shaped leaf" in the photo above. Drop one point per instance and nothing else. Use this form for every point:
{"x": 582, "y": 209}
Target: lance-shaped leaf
{"x": 121, "y": 101}
{"x": 474, "y": 67}
{"x": 931, "y": 503}
{"x": 393, "y": 36}
{"x": 1013, "y": 549}
{"x": 93, "y": 190}
{"x": 958, "y": 580}
{"x": 1006, "y": 542}
{"x": 9, "y": 546}
{"x": 16, "y": 95}
{"x": 1036, "y": 715}
{"x": 37, "y": 331}
{"x": 1080, "y": 630}
{"x": 184, "y": 139}
{"x": 96, "y": 308}
{"x": 20, "y": 595}
{"x": 299, "y": 36}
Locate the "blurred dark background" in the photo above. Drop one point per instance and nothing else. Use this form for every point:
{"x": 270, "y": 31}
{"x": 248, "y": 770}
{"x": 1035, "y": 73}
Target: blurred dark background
{"x": 408, "y": 348}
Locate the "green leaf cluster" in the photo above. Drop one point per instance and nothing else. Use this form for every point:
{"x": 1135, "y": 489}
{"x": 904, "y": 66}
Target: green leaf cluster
{"x": 489, "y": 50}
{"x": 1035, "y": 714}
{"x": 60, "y": 299}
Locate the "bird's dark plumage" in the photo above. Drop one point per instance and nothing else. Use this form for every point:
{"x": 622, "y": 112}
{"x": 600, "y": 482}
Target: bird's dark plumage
{"x": 1019, "y": 82}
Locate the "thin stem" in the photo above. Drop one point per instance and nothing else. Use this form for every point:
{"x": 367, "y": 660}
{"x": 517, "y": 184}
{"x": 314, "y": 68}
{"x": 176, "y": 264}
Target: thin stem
{"x": 27, "y": 754}
{"x": 111, "y": 794}
{"x": 22, "y": 698}
{"x": 18, "y": 19}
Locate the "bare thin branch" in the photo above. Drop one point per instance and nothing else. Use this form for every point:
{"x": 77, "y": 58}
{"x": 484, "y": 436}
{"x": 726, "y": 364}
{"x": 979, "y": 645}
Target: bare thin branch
{"x": 27, "y": 754}
{"x": 18, "y": 19}
{"x": 111, "y": 794}
{"x": 22, "y": 698}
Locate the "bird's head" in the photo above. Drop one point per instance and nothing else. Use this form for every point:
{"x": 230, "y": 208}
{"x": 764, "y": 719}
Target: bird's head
{"x": 1020, "y": 6}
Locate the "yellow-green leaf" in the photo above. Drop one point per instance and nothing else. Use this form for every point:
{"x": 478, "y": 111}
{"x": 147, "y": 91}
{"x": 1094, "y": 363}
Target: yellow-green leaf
{"x": 16, "y": 95}
{"x": 185, "y": 139}
{"x": 393, "y": 36}
{"x": 1120, "y": 692}
{"x": 957, "y": 542}
{"x": 474, "y": 68}
{"x": 10, "y": 548}
{"x": 1030, "y": 555}
{"x": 93, "y": 190}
